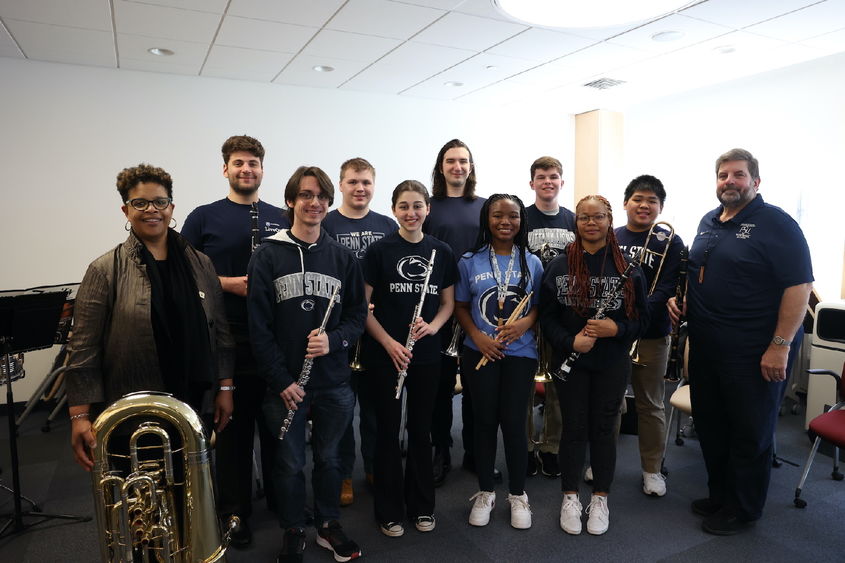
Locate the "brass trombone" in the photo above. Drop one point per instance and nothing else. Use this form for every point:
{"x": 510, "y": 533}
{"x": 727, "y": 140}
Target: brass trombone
{"x": 543, "y": 373}
{"x": 356, "y": 365}
{"x": 663, "y": 237}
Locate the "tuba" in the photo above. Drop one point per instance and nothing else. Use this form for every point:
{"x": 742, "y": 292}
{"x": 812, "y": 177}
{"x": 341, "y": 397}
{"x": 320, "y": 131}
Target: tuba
{"x": 154, "y": 501}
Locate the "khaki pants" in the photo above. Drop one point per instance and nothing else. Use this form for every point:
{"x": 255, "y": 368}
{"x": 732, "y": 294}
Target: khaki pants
{"x": 649, "y": 394}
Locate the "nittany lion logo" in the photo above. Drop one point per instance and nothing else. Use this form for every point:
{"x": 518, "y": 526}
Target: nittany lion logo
{"x": 412, "y": 268}
{"x": 488, "y": 304}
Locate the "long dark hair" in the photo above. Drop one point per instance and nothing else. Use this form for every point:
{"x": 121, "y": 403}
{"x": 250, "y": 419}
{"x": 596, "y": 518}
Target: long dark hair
{"x": 485, "y": 236}
{"x": 438, "y": 181}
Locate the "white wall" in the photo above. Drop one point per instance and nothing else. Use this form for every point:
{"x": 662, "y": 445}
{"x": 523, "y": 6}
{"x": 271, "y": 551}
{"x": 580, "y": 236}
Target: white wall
{"x": 792, "y": 120}
{"x": 68, "y": 130}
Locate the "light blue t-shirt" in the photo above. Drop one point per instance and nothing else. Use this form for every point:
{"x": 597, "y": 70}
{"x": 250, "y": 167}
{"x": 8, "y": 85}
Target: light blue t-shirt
{"x": 477, "y": 286}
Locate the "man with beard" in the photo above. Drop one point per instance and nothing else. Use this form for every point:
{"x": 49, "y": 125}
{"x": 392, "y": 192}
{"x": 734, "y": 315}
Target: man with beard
{"x": 223, "y": 231}
{"x": 748, "y": 283}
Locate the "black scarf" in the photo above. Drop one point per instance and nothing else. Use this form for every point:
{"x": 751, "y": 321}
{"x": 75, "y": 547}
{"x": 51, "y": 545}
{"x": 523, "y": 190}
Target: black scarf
{"x": 179, "y": 324}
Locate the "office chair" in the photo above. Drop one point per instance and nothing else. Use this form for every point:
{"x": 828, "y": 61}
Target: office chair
{"x": 828, "y": 426}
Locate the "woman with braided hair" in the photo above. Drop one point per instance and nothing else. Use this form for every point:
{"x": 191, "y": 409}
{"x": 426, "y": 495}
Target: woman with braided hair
{"x": 575, "y": 285}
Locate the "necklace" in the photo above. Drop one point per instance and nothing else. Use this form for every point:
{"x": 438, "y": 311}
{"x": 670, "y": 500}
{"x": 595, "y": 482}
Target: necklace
{"x": 501, "y": 284}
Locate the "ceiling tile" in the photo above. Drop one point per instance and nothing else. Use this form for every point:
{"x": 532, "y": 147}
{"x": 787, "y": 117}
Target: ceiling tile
{"x": 483, "y": 8}
{"x": 481, "y": 70}
{"x": 741, "y": 14}
{"x": 267, "y": 36}
{"x": 157, "y": 66}
{"x": 601, "y": 58}
{"x": 185, "y": 53}
{"x": 313, "y": 13}
{"x": 694, "y": 31}
{"x": 87, "y": 14}
{"x": 820, "y": 18}
{"x": 439, "y": 4}
{"x": 61, "y": 44}
{"x": 212, "y": 6}
{"x": 300, "y": 72}
{"x": 8, "y": 47}
{"x": 383, "y": 18}
{"x": 540, "y": 45}
{"x": 829, "y": 42}
{"x": 164, "y": 22}
{"x": 349, "y": 46}
{"x": 244, "y": 64}
{"x": 452, "y": 31}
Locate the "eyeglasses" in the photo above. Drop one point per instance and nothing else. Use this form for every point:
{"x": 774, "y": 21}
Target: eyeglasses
{"x": 142, "y": 204}
{"x": 309, "y": 196}
{"x": 597, "y": 218}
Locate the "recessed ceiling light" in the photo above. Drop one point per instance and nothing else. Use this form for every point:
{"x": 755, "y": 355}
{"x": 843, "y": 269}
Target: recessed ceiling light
{"x": 323, "y": 68}
{"x": 597, "y": 13}
{"x": 664, "y": 36}
{"x": 725, "y": 49}
{"x": 453, "y": 83}
{"x": 160, "y": 52}
{"x": 491, "y": 67}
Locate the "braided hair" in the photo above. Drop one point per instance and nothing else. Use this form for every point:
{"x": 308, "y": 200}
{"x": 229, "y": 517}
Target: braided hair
{"x": 485, "y": 236}
{"x": 581, "y": 275}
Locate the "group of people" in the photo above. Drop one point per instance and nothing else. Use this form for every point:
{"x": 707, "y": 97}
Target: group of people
{"x": 450, "y": 268}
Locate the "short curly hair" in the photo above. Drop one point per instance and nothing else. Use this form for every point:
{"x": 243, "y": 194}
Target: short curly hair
{"x": 129, "y": 178}
{"x": 242, "y": 143}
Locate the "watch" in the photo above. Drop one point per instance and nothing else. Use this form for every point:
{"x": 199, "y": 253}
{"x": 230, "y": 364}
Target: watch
{"x": 779, "y": 341}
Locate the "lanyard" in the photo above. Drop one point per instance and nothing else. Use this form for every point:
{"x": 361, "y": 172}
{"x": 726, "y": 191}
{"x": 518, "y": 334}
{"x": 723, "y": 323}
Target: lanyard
{"x": 501, "y": 285}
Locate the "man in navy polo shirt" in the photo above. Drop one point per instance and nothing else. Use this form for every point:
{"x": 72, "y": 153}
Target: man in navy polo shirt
{"x": 749, "y": 280}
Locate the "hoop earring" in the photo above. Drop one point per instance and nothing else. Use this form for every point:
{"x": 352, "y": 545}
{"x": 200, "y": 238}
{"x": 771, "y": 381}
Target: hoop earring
{"x": 173, "y": 223}
{"x": 127, "y": 227}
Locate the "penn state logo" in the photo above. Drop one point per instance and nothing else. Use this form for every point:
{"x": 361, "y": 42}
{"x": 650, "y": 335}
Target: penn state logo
{"x": 745, "y": 230}
{"x": 412, "y": 268}
{"x": 307, "y": 305}
{"x": 488, "y": 304}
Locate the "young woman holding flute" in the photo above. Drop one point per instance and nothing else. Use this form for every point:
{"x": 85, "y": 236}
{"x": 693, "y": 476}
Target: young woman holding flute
{"x": 395, "y": 270}
{"x": 497, "y": 277}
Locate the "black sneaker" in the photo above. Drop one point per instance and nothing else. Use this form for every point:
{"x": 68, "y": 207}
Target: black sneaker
{"x": 705, "y": 507}
{"x": 532, "y": 464}
{"x": 332, "y": 538}
{"x": 549, "y": 465}
{"x": 293, "y": 546}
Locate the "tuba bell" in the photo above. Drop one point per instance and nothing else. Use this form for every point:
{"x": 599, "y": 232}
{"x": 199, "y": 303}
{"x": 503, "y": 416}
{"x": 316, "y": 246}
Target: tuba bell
{"x": 153, "y": 494}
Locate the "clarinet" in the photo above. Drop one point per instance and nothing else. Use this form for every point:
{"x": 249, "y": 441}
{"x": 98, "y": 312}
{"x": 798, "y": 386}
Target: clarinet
{"x": 673, "y": 373}
{"x": 256, "y": 233}
{"x": 566, "y": 366}
{"x": 307, "y": 364}
{"x": 409, "y": 343}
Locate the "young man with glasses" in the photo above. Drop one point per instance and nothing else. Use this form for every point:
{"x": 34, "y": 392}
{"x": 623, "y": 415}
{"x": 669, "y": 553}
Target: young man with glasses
{"x": 223, "y": 230}
{"x": 292, "y": 279}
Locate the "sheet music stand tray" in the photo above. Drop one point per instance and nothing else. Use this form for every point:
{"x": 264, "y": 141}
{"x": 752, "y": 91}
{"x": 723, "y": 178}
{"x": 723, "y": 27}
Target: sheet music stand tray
{"x": 28, "y": 321}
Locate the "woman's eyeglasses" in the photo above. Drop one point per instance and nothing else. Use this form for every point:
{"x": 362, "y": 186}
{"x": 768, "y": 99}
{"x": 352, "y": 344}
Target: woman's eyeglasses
{"x": 142, "y": 204}
{"x": 598, "y": 218}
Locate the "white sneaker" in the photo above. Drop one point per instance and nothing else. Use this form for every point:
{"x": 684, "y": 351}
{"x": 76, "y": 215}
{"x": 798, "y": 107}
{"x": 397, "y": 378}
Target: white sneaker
{"x": 520, "y": 511}
{"x": 588, "y": 475}
{"x": 570, "y": 514}
{"x": 599, "y": 519}
{"x": 654, "y": 484}
{"x": 481, "y": 509}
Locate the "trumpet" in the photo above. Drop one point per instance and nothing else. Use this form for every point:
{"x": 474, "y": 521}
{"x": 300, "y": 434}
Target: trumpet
{"x": 307, "y": 364}
{"x": 457, "y": 332}
{"x": 513, "y": 317}
{"x": 644, "y": 251}
{"x": 410, "y": 341}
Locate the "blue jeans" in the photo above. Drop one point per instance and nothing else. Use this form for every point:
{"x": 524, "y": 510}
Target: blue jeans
{"x": 331, "y": 410}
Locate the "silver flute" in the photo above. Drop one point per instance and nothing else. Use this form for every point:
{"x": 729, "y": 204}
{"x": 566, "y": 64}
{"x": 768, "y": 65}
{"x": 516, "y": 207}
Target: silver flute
{"x": 307, "y": 364}
{"x": 566, "y": 367}
{"x": 409, "y": 343}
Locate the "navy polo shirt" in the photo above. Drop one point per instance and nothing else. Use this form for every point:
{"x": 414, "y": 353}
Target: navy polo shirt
{"x": 738, "y": 271}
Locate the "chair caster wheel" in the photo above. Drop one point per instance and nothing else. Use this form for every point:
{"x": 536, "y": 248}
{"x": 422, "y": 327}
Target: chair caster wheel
{"x": 800, "y": 503}
{"x": 837, "y": 476}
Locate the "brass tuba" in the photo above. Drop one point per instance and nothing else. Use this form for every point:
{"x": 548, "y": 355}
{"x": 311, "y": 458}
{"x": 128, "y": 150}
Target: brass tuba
{"x": 154, "y": 501}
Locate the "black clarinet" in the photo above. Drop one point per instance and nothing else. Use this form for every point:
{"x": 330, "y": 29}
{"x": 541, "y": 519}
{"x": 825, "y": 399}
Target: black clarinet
{"x": 675, "y": 365}
{"x": 256, "y": 233}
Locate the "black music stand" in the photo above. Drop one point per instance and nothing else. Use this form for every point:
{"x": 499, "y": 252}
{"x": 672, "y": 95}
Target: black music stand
{"x": 28, "y": 321}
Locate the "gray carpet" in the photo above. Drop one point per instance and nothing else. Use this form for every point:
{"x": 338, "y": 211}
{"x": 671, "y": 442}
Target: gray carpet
{"x": 641, "y": 528}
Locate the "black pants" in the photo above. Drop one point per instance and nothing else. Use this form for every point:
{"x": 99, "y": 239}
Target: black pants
{"x": 235, "y": 443}
{"x": 412, "y": 490}
{"x": 589, "y": 405}
{"x": 500, "y": 392}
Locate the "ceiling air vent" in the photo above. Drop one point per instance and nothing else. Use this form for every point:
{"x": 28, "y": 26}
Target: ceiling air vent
{"x": 604, "y": 83}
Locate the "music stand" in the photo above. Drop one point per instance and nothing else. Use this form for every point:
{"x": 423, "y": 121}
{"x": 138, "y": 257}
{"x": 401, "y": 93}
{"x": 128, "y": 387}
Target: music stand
{"x": 28, "y": 321}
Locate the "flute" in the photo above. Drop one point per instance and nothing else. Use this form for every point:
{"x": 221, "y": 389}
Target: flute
{"x": 256, "y": 233}
{"x": 307, "y": 364}
{"x": 513, "y": 317}
{"x": 673, "y": 373}
{"x": 409, "y": 343}
{"x": 566, "y": 366}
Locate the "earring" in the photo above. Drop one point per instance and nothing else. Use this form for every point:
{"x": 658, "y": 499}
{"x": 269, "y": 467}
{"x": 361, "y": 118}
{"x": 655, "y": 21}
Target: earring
{"x": 127, "y": 227}
{"x": 173, "y": 223}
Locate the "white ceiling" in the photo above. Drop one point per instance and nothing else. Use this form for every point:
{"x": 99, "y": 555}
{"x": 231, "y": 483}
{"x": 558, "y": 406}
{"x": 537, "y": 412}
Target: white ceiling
{"x": 415, "y": 47}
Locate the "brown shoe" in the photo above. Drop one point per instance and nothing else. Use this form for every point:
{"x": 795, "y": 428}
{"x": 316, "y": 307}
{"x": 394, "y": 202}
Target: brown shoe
{"x": 346, "y": 494}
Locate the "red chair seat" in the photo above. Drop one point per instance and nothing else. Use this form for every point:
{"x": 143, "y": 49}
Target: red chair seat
{"x": 831, "y": 427}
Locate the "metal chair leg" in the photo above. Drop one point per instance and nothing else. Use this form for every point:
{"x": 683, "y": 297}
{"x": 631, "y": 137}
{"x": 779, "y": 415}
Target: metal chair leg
{"x": 799, "y": 502}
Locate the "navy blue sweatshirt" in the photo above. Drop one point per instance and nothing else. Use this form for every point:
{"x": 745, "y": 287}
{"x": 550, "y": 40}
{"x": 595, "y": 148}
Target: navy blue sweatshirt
{"x": 289, "y": 289}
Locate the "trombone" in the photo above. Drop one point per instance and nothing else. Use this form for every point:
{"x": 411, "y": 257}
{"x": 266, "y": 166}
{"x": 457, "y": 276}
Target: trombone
{"x": 355, "y": 364}
{"x": 666, "y": 238}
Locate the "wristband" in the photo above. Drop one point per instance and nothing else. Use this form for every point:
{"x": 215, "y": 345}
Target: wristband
{"x": 80, "y": 415}
{"x": 227, "y": 387}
